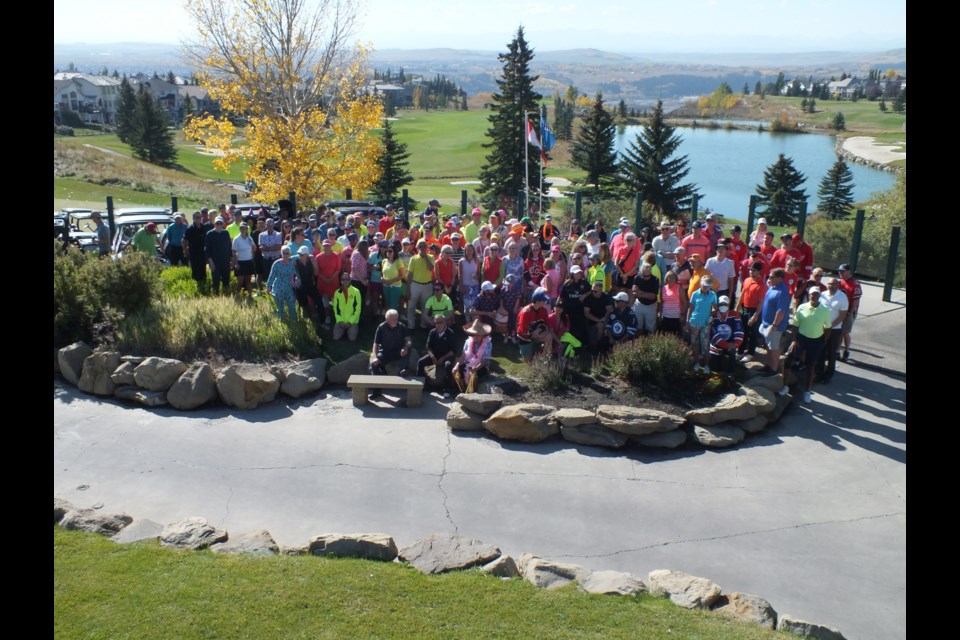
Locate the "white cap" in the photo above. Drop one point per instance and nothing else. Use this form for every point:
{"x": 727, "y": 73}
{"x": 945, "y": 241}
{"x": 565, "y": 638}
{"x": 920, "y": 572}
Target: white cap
{"x": 576, "y": 269}
{"x": 622, "y": 297}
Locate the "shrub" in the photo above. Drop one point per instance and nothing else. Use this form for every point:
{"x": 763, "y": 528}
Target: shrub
{"x": 178, "y": 282}
{"x": 64, "y": 130}
{"x": 71, "y": 119}
{"x": 660, "y": 360}
{"x": 552, "y": 375}
{"x": 832, "y": 242}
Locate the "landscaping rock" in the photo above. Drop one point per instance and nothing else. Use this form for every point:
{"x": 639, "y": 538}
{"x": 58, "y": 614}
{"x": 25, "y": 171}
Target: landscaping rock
{"x": 747, "y": 608}
{"x": 636, "y": 421}
{"x": 123, "y": 375}
{"x": 304, "y": 377}
{"x": 56, "y": 360}
{"x": 134, "y": 360}
{"x": 71, "y": 361}
{"x": 718, "y": 435}
{"x": 136, "y": 394}
{"x": 666, "y": 440}
{"x": 372, "y": 546}
{"x": 729, "y": 407}
{"x": 191, "y": 533}
{"x": 394, "y": 369}
{"x": 127, "y": 392}
{"x": 435, "y": 376}
{"x": 485, "y": 404}
{"x": 683, "y": 589}
{"x": 443, "y": 552}
{"x": 137, "y": 531}
{"x": 772, "y": 382}
{"x": 194, "y": 388}
{"x": 500, "y": 386}
{"x": 547, "y": 574}
{"x": 461, "y": 419}
{"x": 358, "y": 363}
{"x": 572, "y": 417}
{"x": 258, "y": 543}
{"x": 93, "y": 521}
{"x": 763, "y": 400}
{"x": 97, "y": 368}
{"x": 300, "y": 550}
{"x": 244, "y": 386}
{"x": 525, "y": 422}
{"x": 594, "y": 434}
{"x": 502, "y": 567}
{"x": 60, "y": 507}
{"x": 753, "y": 425}
{"x": 807, "y": 629}
{"x": 157, "y": 374}
{"x": 613, "y": 583}
{"x": 782, "y": 403}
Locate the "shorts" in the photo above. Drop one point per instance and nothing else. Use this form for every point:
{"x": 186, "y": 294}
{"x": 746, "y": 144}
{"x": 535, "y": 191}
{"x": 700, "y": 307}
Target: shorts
{"x": 848, "y": 323}
{"x": 773, "y": 339}
{"x": 245, "y": 268}
{"x": 811, "y": 347}
{"x": 700, "y": 336}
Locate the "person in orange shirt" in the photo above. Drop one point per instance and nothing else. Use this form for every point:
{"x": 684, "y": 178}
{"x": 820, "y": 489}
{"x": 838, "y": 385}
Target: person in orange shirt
{"x": 699, "y": 271}
{"x": 748, "y": 305}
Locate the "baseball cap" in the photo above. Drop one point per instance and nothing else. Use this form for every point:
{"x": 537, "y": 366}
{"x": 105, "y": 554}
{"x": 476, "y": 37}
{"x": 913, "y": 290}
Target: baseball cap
{"x": 622, "y": 297}
{"x": 304, "y": 251}
{"x": 762, "y": 221}
{"x": 576, "y": 269}
{"x": 487, "y": 286}
{"x": 151, "y": 227}
{"x": 711, "y": 216}
{"x": 725, "y": 300}
{"x": 736, "y": 229}
{"x": 706, "y": 281}
{"x": 540, "y": 295}
{"x": 844, "y": 267}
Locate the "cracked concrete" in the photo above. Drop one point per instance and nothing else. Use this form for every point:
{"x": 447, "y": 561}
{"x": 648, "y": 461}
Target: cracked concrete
{"x": 808, "y": 509}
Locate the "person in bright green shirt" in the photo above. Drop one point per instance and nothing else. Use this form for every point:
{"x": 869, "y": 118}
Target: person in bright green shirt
{"x": 439, "y": 304}
{"x": 472, "y": 230}
{"x": 811, "y": 320}
{"x": 346, "y": 310}
{"x": 145, "y": 239}
{"x": 234, "y": 227}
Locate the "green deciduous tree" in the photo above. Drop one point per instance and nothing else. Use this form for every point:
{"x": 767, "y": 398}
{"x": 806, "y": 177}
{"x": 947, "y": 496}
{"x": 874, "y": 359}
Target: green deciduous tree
{"x": 650, "y": 165}
{"x": 593, "y": 149}
{"x": 836, "y": 191}
{"x": 504, "y": 170}
{"x": 393, "y": 168}
{"x": 781, "y": 192}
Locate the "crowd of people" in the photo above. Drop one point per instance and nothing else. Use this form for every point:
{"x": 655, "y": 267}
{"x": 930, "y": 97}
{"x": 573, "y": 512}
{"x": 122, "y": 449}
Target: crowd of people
{"x": 538, "y": 286}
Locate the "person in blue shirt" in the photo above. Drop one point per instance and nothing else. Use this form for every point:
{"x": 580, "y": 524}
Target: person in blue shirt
{"x": 774, "y": 316}
{"x": 703, "y": 304}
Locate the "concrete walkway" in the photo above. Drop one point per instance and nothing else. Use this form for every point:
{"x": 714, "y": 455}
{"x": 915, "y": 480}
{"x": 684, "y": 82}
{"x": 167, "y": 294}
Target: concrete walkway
{"x": 810, "y": 514}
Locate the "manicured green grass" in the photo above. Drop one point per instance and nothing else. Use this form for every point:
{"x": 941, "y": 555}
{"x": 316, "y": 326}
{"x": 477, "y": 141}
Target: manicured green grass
{"x": 105, "y": 590}
{"x": 70, "y": 192}
{"x": 862, "y": 116}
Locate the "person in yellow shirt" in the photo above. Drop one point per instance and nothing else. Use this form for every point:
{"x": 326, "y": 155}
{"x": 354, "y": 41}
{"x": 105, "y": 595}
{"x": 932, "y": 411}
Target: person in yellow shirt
{"x": 420, "y": 280}
{"x": 696, "y": 263}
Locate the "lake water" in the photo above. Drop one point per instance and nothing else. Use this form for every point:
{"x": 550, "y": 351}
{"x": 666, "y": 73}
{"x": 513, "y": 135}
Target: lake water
{"x": 727, "y": 165}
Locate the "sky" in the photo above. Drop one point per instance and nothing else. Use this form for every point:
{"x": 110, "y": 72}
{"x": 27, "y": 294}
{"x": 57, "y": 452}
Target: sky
{"x": 732, "y": 26}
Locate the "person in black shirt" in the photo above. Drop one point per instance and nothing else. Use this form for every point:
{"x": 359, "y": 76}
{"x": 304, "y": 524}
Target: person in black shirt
{"x": 219, "y": 250}
{"x": 440, "y": 351}
{"x": 573, "y": 292}
{"x": 391, "y": 343}
{"x": 597, "y": 307}
{"x": 194, "y": 239}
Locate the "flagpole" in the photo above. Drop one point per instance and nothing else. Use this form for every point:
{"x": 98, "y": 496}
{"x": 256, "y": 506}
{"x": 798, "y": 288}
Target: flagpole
{"x": 543, "y": 111}
{"x": 526, "y": 161}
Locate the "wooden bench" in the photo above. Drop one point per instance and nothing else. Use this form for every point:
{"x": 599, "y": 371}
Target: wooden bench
{"x": 360, "y": 385}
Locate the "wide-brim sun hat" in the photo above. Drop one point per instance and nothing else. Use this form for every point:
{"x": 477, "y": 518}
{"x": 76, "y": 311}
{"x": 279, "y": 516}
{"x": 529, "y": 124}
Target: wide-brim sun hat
{"x": 477, "y": 328}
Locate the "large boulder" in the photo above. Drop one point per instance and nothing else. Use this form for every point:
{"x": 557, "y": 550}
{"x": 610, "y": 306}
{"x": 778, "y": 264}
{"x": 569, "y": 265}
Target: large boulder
{"x": 304, "y": 377}
{"x": 394, "y": 368}
{"x": 434, "y": 376}
{"x": 257, "y": 543}
{"x": 157, "y": 374}
{"x": 372, "y": 546}
{"x": 613, "y": 583}
{"x": 595, "y": 435}
{"x": 665, "y": 440}
{"x": 56, "y": 360}
{"x": 718, "y": 435}
{"x": 526, "y": 422}
{"x": 683, "y": 589}
{"x": 123, "y": 375}
{"x": 782, "y": 403}
{"x": 547, "y": 574}
{"x": 502, "y": 567}
{"x": 97, "y": 369}
{"x": 636, "y": 421}
{"x": 71, "y": 360}
{"x": 753, "y": 425}
{"x": 771, "y": 382}
{"x": 93, "y": 521}
{"x": 761, "y": 398}
{"x": 806, "y": 629}
{"x": 462, "y": 419}
{"x": 573, "y": 417}
{"x": 729, "y": 407}
{"x": 141, "y": 396}
{"x": 60, "y": 508}
{"x": 191, "y": 533}
{"x": 358, "y": 363}
{"x": 443, "y": 552}
{"x": 244, "y": 386}
{"x": 747, "y": 608}
{"x": 484, "y": 404}
{"x": 194, "y": 388}
{"x": 139, "y": 530}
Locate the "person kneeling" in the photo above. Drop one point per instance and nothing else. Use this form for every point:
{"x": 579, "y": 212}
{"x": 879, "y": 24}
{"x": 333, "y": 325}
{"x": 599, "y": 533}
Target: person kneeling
{"x": 532, "y": 327}
{"x": 391, "y": 343}
{"x": 621, "y": 323}
{"x": 726, "y": 334}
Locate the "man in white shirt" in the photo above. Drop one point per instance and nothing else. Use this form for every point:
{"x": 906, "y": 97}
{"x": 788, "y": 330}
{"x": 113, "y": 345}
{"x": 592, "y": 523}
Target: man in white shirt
{"x": 723, "y": 271}
{"x": 836, "y": 301}
{"x": 666, "y": 244}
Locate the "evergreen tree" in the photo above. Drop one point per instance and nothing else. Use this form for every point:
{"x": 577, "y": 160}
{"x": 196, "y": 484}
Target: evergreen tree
{"x": 781, "y": 192}
{"x": 504, "y": 170}
{"x": 900, "y": 102}
{"x": 389, "y": 104}
{"x": 649, "y": 166}
{"x": 568, "y": 115}
{"x": 126, "y": 111}
{"x": 393, "y": 168}
{"x": 836, "y": 191}
{"x": 746, "y": 89}
{"x": 812, "y": 105}
{"x": 116, "y": 74}
{"x": 151, "y": 138}
{"x": 803, "y": 105}
{"x": 883, "y": 104}
{"x": 758, "y": 88}
{"x": 172, "y": 79}
{"x": 839, "y": 122}
{"x": 593, "y": 149}
{"x": 622, "y": 110}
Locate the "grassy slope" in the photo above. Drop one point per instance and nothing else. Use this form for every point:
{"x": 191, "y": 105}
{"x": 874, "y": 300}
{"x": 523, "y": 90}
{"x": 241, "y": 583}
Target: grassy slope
{"x": 105, "y": 590}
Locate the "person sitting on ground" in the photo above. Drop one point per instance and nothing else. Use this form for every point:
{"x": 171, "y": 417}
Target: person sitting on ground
{"x": 438, "y": 305}
{"x": 700, "y": 311}
{"x": 391, "y": 343}
{"x": 474, "y": 361}
{"x": 621, "y": 323}
{"x": 346, "y": 310}
{"x": 441, "y": 351}
{"x": 532, "y": 328}
{"x": 487, "y": 303}
{"x": 726, "y": 334}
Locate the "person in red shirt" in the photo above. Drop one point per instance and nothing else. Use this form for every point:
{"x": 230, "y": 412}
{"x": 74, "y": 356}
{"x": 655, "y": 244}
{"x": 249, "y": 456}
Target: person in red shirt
{"x": 736, "y": 248}
{"x": 784, "y": 253}
{"x": 712, "y": 233}
{"x": 328, "y": 275}
{"x": 851, "y": 287}
{"x": 806, "y": 255}
{"x": 387, "y": 221}
{"x": 749, "y": 304}
{"x": 533, "y": 327}
{"x": 767, "y": 249}
{"x": 697, "y": 243}
{"x": 791, "y": 275}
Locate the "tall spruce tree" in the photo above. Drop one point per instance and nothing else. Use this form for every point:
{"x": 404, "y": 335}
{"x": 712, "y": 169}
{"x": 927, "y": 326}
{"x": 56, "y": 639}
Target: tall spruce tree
{"x": 781, "y": 192}
{"x": 393, "y": 168}
{"x": 151, "y": 138}
{"x": 593, "y": 149}
{"x": 836, "y": 191}
{"x": 126, "y": 111}
{"x": 504, "y": 170}
{"x": 648, "y": 165}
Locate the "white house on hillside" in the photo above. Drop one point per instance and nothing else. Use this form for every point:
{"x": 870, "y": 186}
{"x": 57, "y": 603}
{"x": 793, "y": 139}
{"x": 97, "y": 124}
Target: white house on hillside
{"x": 92, "y": 97}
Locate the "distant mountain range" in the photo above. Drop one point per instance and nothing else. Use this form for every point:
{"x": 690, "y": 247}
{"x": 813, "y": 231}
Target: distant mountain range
{"x": 638, "y": 78}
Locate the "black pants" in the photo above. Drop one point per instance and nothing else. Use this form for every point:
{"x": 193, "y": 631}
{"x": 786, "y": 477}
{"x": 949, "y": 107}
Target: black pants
{"x": 751, "y": 334}
{"x": 199, "y": 267}
{"x": 671, "y": 325}
{"x": 827, "y": 363}
{"x": 309, "y": 298}
{"x": 174, "y": 254}
{"x": 221, "y": 275}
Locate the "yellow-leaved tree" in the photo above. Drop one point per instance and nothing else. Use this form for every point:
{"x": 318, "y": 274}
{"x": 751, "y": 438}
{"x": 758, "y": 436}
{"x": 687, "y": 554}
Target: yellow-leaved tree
{"x": 290, "y": 73}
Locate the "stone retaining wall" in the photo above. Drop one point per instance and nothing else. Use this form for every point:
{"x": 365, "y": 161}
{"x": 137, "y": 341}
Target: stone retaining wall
{"x": 441, "y": 553}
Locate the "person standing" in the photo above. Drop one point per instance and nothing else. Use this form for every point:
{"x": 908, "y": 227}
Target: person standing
{"x": 754, "y": 290}
{"x": 774, "y": 316}
{"x": 812, "y": 321}
{"x": 851, "y": 287}
{"x": 673, "y": 305}
{"x": 243, "y": 250}
{"x": 703, "y": 304}
{"x": 172, "y": 241}
{"x": 270, "y": 242}
{"x": 103, "y": 234}
{"x": 666, "y": 244}
{"x": 420, "y": 281}
{"x": 836, "y": 302}
{"x": 723, "y": 271}
{"x": 145, "y": 240}
{"x": 219, "y": 251}
{"x": 646, "y": 293}
{"x": 194, "y": 241}
{"x": 307, "y": 294}
{"x": 282, "y": 282}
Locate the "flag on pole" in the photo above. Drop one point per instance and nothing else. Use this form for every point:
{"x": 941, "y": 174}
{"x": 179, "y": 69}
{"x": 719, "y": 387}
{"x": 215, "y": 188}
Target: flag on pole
{"x": 532, "y": 139}
{"x": 546, "y": 135}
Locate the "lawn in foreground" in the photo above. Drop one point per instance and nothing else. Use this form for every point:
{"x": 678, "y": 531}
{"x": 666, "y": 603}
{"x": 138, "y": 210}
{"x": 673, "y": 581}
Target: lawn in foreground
{"x": 105, "y": 590}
